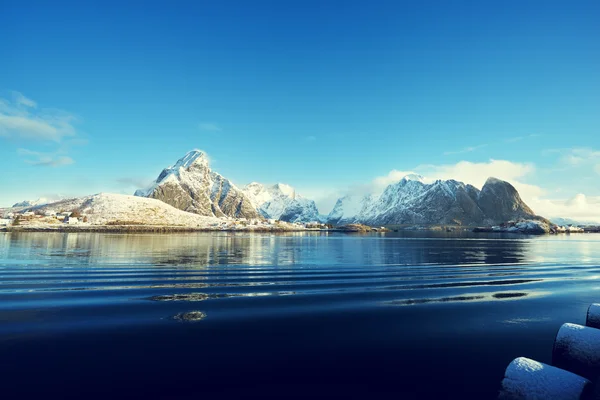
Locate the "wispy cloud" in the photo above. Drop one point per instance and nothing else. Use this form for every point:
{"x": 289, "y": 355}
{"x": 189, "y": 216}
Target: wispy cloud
{"x": 209, "y": 127}
{"x": 469, "y": 149}
{"x": 520, "y": 138}
{"x": 133, "y": 182}
{"x": 580, "y": 156}
{"x": 44, "y": 159}
{"x": 19, "y": 99}
{"x": 20, "y": 118}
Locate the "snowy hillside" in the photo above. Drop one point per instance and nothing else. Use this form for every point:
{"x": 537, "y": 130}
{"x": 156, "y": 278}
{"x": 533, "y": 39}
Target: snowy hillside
{"x": 281, "y": 202}
{"x": 106, "y": 208}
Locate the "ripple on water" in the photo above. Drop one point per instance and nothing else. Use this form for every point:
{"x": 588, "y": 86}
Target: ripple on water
{"x": 190, "y": 316}
{"x": 180, "y": 297}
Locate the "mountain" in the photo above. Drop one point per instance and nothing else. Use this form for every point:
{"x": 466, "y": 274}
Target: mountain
{"x": 348, "y": 207}
{"x": 569, "y": 221}
{"x": 190, "y": 185}
{"x": 500, "y": 201}
{"x": 445, "y": 202}
{"x": 281, "y": 202}
{"x": 31, "y": 203}
{"x": 110, "y": 208}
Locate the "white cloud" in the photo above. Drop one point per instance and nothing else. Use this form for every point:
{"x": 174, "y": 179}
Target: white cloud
{"x": 209, "y": 127}
{"x": 20, "y": 119}
{"x": 393, "y": 176}
{"x": 580, "y": 208}
{"x": 134, "y": 182}
{"x": 477, "y": 173}
{"x": 22, "y": 100}
{"x": 45, "y": 159}
{"x": 519, "y": 138}
{"x": 579, "y": 156}
{"x": 469, "y": 149}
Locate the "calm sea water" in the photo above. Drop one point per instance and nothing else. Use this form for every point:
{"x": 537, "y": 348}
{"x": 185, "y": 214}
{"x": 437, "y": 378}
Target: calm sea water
{"x": 412, "y": 315}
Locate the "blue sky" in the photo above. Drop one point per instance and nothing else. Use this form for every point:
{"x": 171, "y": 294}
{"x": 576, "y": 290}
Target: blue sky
{"x": 323, "y": 95}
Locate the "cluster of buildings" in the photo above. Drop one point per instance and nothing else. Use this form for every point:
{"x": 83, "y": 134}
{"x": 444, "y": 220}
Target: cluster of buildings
{"x": 228, "y": 223}
{"x": 17, "y": 218}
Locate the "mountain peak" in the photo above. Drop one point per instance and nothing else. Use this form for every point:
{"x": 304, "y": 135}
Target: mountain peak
{"x": 285, "y": 189}
{"x": 194, "y": 157}
{"x": 492, "y": 180}
{"x": 190, "y": 185}
{"x": 414, "y": 177}
{"x": 280, "y": 201}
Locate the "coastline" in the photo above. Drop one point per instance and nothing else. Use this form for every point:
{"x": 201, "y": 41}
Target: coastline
{"x": 159, "y": 229}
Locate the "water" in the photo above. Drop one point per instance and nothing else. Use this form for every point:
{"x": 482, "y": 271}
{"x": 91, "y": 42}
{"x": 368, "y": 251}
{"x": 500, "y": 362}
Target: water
{"x": 411, "y": 315}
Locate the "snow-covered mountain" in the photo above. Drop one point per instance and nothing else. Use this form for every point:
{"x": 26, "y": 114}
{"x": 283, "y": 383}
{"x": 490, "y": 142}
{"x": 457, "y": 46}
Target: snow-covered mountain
{"x": 281, "y": 202}
{"x": 569, "y": 221}
{"x": 106, "y": 208}
{"x": 348, "y": 207}
{"x": 411, "y": 201}
{"x": 31, "y": 203}
{"x": 190, "y": 185}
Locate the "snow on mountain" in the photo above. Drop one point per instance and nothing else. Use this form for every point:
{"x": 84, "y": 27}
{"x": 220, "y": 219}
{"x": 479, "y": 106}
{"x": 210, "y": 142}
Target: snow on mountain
{"x": 190, "y": 185}
{"x": 108, "y": 207}
{"x": 31, "y": 203}
{"x": 281, "y": 202}
{"x": 411, "y": 201}
{"x": 348, "y": 207}
{"x": 569, "y": 221}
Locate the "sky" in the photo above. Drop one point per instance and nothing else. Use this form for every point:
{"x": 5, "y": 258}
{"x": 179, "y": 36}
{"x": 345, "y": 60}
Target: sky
{"x": 330, "y": 97}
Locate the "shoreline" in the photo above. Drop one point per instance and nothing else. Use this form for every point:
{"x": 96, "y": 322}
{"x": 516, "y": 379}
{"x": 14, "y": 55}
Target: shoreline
{"x": 157, "y": 229}
{"x": 264, "y": 229}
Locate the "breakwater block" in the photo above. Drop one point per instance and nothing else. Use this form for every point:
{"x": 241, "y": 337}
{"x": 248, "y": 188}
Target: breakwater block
{"x": 526, "y": 379}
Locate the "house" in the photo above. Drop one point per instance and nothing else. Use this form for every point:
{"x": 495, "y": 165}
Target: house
{"x": 71, "y": 220}
{"x": 5, "y": 222}
{"x": 49, "y": 214}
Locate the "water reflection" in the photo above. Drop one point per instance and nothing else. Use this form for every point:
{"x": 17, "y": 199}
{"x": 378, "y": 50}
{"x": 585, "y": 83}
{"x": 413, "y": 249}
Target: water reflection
{"x": 256, "y": 305}
{"x": 204, "y": 249}
{"x": 479, "y": 297}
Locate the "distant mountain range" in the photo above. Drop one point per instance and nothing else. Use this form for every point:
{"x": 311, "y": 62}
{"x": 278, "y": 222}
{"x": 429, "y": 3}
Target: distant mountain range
{"x": 31, "y": 203}
{"x": 192, "y": 186}
{"x": 281, "y": 202}
{"x": 570, "y": 221}
{"x": 449, "y": 202}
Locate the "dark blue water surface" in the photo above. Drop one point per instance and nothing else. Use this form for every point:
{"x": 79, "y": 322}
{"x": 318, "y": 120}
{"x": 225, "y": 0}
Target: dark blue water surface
{"x": 409, "y": 315}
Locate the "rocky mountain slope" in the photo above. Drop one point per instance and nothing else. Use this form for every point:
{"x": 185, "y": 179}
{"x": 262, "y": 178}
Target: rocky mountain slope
{"x": 190, "y": 185}
{"x": 281, "y": 202}
{"x": 449, "y": 202}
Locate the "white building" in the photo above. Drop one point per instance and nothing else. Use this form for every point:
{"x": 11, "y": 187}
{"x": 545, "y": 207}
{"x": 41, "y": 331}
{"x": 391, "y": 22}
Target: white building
{"x": 71, "y": 220}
